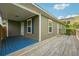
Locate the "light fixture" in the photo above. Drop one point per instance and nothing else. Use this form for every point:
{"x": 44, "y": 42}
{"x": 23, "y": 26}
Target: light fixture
{"x": 16, "y": 16}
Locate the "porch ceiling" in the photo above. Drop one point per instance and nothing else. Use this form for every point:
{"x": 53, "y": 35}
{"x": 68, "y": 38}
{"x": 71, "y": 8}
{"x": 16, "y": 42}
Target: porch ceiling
{"x": 13, "y": 12}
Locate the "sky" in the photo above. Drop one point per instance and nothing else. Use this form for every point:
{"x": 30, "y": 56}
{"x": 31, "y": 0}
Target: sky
{"x": 61, "y": 10}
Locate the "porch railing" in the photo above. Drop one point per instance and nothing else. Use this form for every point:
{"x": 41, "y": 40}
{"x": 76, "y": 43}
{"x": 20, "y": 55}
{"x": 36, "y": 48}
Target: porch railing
{"x": 77, "y": 34}
{"x": 0, "y": 32}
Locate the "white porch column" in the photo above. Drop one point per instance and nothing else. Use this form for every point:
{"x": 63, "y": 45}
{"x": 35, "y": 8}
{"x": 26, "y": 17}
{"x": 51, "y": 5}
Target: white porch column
{"x": 57, "y": 28}
{"x": 0, "y": 20}
{"x": 22, "y": 28}
{"x": 40, "y": 27}
{"x": 7, "y": 26}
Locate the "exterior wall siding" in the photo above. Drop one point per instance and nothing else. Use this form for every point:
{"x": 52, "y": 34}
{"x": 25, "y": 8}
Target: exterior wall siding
{"x": 44, "y": 29}
{"x": 14, "y": 28}
{"x": 62, "y": 29}
{"x": 35, "y": 33}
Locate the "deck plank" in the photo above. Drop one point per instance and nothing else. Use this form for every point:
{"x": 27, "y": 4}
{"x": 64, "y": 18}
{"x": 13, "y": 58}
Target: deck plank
{"x": 59, "y": 46}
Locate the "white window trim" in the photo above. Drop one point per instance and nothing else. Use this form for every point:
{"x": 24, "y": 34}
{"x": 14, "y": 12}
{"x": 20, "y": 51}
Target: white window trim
{"x": 31, "y": 26}
{"x": 58, "y": 28}
{"x": 1, "y": 21}
{"x": 49, "y": 26}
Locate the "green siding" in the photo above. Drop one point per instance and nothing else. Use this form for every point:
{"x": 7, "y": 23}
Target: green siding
{"x": 35, "y": 34}
{"x": 62, "y": 29}
{"x": 44, "y": 29}
{"x": 14, "y": 28}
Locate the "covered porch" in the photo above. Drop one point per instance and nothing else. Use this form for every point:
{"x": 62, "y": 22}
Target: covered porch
{"x": 15, "y": 43}
{"x": 18, "y": 35}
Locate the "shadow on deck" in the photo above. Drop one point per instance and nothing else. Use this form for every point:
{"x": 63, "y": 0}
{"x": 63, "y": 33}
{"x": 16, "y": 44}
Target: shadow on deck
{"x": 15, "y": 43}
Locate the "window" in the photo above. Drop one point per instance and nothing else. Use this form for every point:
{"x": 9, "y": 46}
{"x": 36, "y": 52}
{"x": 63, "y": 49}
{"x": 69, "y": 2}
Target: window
{"x": 50, "y": 26}
{"x": 29, "y": 26}
{"x": 0, "y": 20}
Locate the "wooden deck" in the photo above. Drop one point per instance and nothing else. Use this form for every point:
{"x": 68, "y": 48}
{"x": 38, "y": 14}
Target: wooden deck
{"x": 56, "y": 46}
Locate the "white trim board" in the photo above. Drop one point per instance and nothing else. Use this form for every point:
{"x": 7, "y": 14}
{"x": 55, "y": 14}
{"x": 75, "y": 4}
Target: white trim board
{"x": 7, "y": 27}
{"x": 1, "y": 21}
{"x": 22, "y": 28}
{"x": 21, "y": 6}
{"x": 39, "y": 27}
{"x": 57, "y": 28}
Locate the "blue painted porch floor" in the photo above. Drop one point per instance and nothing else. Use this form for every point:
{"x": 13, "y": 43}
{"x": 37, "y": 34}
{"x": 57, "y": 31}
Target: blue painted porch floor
{"x": 15, "y": 43}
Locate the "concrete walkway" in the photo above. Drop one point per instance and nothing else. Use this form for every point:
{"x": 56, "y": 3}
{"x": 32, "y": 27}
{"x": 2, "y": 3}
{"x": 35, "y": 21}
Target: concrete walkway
{"x": 56, "y": 46}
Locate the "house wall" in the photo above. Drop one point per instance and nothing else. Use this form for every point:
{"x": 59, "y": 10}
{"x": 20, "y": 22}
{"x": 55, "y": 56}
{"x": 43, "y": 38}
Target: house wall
{"x": 35, "y": 34}
{"x": 44, "y": 29}
{"x": 62, "y": 29}
{"x": 14, "y": 28}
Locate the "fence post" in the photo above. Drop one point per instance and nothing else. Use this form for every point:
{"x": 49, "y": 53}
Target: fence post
{"x": 77, "y": 34}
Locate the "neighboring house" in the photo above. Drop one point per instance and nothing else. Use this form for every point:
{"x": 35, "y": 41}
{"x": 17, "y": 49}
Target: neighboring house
{"x": 73, "y": 21}
{"x": 29, "y": 20}
{"x": 67, "y": 20}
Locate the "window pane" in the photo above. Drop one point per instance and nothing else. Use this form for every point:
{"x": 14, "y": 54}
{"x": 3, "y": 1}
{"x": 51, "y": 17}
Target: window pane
{"x": 50, "y": 29}
{"x": 29, "y": 23}
{"x": 29, "y": 29}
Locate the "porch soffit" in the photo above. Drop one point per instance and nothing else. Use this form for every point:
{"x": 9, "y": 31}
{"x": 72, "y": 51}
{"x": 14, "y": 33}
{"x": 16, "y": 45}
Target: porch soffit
{"x": 14, "y": 13}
